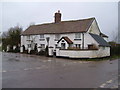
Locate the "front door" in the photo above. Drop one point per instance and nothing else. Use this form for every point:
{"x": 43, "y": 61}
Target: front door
{"x": 62, "y": 45}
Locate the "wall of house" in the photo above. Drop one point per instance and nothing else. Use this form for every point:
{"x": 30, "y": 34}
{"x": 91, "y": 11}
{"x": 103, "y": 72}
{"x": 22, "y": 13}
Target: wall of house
{"x": 102, "y": 52}
{"x": 94, "y": 28}
{"x": 36, "y": 39}
{"x": 88, "y": 39}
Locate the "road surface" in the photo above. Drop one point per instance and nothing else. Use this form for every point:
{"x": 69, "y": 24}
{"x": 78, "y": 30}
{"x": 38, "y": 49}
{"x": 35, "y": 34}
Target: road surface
{"x": 31, "y": 71}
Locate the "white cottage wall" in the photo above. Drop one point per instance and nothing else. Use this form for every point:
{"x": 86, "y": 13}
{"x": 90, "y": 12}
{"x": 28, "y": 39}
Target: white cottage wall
{"x": 36, "y": 39}
{"x": 89, "y": 40}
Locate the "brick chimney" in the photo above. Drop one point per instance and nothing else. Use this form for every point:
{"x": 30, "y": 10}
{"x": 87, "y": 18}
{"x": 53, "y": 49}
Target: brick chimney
{"x": 57, "y": 17}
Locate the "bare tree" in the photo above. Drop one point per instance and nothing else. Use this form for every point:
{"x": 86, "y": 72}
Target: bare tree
{"x": 115, "y": 35}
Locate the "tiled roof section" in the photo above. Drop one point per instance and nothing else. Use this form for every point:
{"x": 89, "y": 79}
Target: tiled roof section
{"x": 61, "y": 27}
{"x": 66, "y": 39}
{"x": 103, "y": 35}
{"x": 100, "y": 40}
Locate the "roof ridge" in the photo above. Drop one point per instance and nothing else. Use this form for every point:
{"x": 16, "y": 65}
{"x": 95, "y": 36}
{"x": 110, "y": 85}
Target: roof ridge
{"x": 64, "y": 21}
{"x": 70, "y": 26}
{"x": 90, "y": 24}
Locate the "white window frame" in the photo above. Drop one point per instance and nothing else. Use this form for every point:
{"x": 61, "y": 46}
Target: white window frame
{"x": 28, "y": 37}
{"x": 77, "y": 35}
{"x": 42, "y": 36}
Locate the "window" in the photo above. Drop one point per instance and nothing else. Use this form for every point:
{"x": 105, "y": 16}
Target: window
{"x": 43, "y": 45}
{"x": 63, "y": 45}
{"x": 41, "y": 36}
{"x": 29, "y": 45}
{"x": 57, "y": 37}
{"x": 77, "y": 45}
{"x": 77, "y": 35}
{"x": 90, "y": 46}
{"x": 28, "y": 37}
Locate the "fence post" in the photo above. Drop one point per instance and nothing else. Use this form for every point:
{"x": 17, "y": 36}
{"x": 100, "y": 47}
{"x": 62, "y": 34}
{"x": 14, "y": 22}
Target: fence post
{"x": 50, "y": 51}
{"x": 57, "y": 51}
{"x": 21, "y": 49}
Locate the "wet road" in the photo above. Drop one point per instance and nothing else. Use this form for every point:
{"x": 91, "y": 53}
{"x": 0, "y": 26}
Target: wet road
{"x": 30, "y": 71}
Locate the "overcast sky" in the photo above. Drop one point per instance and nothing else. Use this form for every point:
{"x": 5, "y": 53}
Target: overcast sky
{"x": 24, "y": 13}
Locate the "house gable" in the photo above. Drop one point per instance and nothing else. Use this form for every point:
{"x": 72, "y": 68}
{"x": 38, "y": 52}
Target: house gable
{"x": 94, "y": 28}
{"x": 66, "y": 39}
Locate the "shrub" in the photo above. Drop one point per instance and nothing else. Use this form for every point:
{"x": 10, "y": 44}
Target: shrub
{"x": 46, "y": 51}
{"x": 32, "y": 52}
{"x": 115, "y": 48}
{"x": 25, "y": 51}
{"x": 17, "y": 49}
{"x": 42, "y": 52}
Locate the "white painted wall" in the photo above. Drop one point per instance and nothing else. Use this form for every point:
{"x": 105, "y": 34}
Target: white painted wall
{"x": 102, "y": 52}
{"x": 88, "y": 39}
{"x": 36, "y": 39}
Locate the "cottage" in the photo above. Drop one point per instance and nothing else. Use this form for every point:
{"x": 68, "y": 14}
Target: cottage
{"x": 72, "y": 39}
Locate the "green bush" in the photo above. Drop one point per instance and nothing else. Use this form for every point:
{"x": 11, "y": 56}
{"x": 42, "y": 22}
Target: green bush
{"x": 46, "y": 51}
{"x": 25, "y": 51}
{"x": 32, "y": 52}
{"x": 16, "y": 50}
{"x": 115, "y": 48}
{"x": 41, "y": 52}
